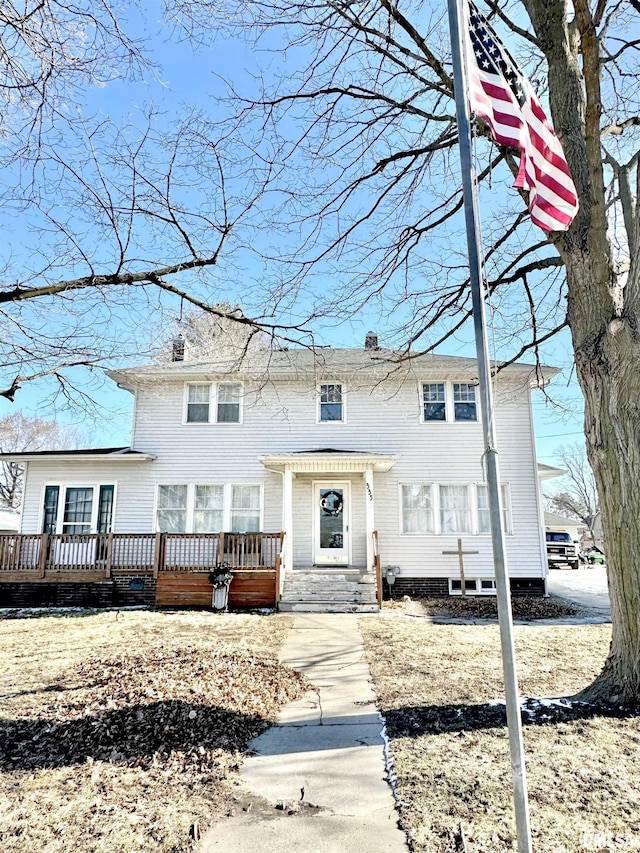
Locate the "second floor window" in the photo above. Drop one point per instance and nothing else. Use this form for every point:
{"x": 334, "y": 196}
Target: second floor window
{"x": 228, "y": 409}
{"x": 208, "y": 403}
{"x": 449, "y": 402}
{"x": 198, "y": 397}
{"x": 434, "y": 401}
{"x": 464, "y": 402}
{"x": 331, "y": 404}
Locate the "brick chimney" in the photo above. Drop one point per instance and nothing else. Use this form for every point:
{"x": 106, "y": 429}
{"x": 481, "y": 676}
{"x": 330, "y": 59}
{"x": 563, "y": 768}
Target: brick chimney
{"x": 177, "y": 349}
{"x": 371, "y": 341}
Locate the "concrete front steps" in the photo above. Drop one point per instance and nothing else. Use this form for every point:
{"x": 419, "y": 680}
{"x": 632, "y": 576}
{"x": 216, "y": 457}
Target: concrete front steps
{"x": 318, "y": 590}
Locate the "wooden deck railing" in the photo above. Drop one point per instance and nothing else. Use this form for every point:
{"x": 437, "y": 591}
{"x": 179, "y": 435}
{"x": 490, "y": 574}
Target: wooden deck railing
{"x": 25, "y": 556}
{"x": 377, "y": 567}
{"x": 280, "y": 569}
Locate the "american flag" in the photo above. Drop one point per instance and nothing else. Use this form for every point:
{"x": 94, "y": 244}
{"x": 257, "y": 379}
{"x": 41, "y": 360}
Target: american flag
{"x": 504, "y": 98}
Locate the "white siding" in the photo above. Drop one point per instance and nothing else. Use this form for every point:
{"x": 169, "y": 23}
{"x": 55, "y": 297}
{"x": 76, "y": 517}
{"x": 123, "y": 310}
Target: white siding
{"x": 133, "y": 493}
{"x": 281, "y": 417}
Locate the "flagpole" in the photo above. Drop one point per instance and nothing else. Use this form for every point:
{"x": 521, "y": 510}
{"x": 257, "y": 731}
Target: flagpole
{"x": 503, "y": 592}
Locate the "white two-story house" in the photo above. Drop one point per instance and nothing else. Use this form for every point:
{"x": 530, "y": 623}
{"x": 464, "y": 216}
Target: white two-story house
{"x": 357, "y": 459}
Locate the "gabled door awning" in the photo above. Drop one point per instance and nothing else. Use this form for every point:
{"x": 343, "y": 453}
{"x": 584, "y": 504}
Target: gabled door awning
{"x": 329, "y": 461}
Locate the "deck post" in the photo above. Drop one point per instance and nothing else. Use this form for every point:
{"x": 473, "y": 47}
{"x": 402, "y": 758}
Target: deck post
{"x": 107, "y": 565}
{"x": 287, "y": 518}
{"x": 157, "y": 555}
{"x": 42, "y": 564}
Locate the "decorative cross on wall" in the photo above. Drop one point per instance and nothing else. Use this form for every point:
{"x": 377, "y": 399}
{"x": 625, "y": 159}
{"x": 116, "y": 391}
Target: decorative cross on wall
{"x": 461, "y": 554}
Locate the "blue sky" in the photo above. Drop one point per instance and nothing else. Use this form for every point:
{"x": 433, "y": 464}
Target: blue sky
{"x": 188, "y": 79}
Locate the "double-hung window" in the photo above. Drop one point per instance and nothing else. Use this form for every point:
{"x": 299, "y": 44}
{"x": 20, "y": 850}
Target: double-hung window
{"x": 228, "y": 408}
{"x": 331, "y": 403}
{"x": 455, "y": 509}
{"x": 464, "y": 402}
{"x": 434, "y": 401}
{"x": 214, "y": 404}
{"x": 245, "y": 508}
{"x": 449, "y": 402}
{"x": 198, "y": 403}
{"x": 417, "y": 508}
{"x": 208, "y": 512}
{"x": 484, "y": 520}
{"x": 209, "y": 508}
{"x": 78, "y": 506}
{"x": 442, "y": 508}
{"x": 172, "y": 509}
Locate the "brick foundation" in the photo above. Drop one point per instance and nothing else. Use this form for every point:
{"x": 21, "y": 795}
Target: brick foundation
{"x": 439, "y": 587}
{"x": 527, "y": 586}
{"x": 416, "y": 588}
{"x": 123, "y": 591}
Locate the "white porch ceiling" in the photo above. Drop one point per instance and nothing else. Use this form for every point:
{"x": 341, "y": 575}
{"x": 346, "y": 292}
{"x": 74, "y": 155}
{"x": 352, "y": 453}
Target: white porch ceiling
{"x": 329, "y": 461}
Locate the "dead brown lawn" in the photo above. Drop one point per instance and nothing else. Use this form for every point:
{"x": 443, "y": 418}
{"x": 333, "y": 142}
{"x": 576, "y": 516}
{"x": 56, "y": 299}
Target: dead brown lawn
{"x": 121, "y": 731}
{"x": 435, "y": 684}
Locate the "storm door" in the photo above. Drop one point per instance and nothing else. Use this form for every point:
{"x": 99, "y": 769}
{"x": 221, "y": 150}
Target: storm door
{"x": 331, "y": 523}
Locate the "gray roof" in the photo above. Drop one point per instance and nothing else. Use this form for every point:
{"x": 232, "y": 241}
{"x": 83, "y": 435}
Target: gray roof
{"x": 109, "y": 453}
{"x": 560, "y": 520}
{"x": 326, "y": 362}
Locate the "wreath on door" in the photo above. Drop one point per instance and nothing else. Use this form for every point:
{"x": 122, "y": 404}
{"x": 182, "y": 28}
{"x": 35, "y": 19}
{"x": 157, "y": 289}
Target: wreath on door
{"x": 331, "y": 503}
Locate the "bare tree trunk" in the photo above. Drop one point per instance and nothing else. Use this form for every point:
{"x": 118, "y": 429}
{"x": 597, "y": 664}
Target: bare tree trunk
{"x": 603, "y": 319}
{"x": 609, "y": 373}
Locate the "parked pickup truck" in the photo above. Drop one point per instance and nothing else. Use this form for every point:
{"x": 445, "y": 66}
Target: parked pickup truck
{"x": 561, "y": 551}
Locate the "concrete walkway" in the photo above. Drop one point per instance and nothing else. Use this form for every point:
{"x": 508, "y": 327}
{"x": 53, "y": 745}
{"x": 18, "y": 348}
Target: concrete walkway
{"x": 316, "y": 783}
{"x": 586, "y": 587}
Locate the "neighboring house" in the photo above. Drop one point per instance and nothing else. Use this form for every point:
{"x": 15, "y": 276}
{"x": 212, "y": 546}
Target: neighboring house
{"x": 359, "y": 460}
{"x": 9, "y": 521}
{"x": 559, "y": 524}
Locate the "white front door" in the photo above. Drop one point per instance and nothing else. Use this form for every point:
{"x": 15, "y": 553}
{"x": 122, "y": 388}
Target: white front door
{"x": 331, "y": 523}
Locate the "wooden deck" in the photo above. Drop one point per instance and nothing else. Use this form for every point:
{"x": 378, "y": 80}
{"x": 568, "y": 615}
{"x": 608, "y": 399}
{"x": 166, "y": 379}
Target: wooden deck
{"x": 179, "y": 563}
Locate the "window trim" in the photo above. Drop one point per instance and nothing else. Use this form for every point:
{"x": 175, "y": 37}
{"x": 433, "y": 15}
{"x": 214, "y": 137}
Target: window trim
{"x": 507, "y": 516}
{"x": 191, "y": 501}
{"x": 472, "y": 492}
{"x": 434, "y": 508}
{"x": 424, "y": 402}
{"x": 343, "y": 403}
{"x": 216, "y": 395}
{"x": 213, "y": 408}
{"x": 185, "y": 413}
{"x": 95, "y": 501}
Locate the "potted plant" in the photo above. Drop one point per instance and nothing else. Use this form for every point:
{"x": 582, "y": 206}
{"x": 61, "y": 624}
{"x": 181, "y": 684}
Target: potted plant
{"x": 220, "y": 579}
